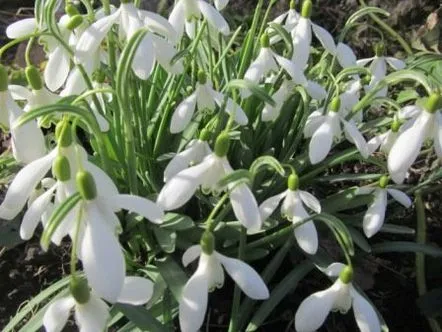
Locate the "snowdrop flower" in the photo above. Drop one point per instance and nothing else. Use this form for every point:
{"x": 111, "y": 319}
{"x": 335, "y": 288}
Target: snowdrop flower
{"x": 91, "y": 312}
{"x": 27, "y": 141}
{"x": 293, "y": 209}
{"x": 323, "y": 128}
{"x": 195, "y": 152}
{"x": 21, "y": 28}
{"x": 341, "y": 296}
{"x": 185, "y": 10}
{"x": 375, "y": 215}
{"x": 152, "y": 48}
{"x": 426, "y": 124}
{"x": 271, "y": 113}
{"x": 302, "y": 37}
{"x": 268, "y": 61}
{"x": 179, "y": 189}
{"x": 288, "y": 20}
{"x": 385, "y": 141}
{"x": 205, "y": 98}
{"x": 210, "y": 275}
{"x": 378, "y": 68}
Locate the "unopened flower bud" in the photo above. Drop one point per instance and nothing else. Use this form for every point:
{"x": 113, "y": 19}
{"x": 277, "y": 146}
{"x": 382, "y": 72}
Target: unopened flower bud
{"x": 346, "y": 275}
{"x": 74, "y": 22}
{"x": 34, "y": 78}
{"x": 433, "y": 103}
{"x": 61, "y": 168}
{"x": 265, "y": 40}
{"x": 63, "y": 134}
{"x": 293, "y": 182}
{"x": 395, "y": 125}
{"x": 222, "y": 145}
{"x": 3, "y": 78}
{"x": 207, "y": 243}
{"x": 205, "y": 135}
{"x": 307, "y": 8}
{"x": 379, "y": 49}
{"x": 383, "y": 181}
{"x": 86, "y": 185}
{"x": 202, "y": 77}
{"x": 335, "y": 104}
{"x": 71, "y": 10}
{"x": 79, "y": 290}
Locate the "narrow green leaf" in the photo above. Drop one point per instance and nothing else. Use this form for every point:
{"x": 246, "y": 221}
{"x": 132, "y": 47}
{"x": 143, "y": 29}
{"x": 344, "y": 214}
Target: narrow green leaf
{"x": 235, "y": 178}
{"x": 141, "y": 317}
{"x": 254, "y": 88}
{"x": 177, "y": 222}
{"x": 166, "y": 239}
{"x": 285, "y": 37}
{"x": 173, "y": 275}
{"x": 267, "y": 162}
{"x": 366, "y": 11}
{"x": 403, "y": 246}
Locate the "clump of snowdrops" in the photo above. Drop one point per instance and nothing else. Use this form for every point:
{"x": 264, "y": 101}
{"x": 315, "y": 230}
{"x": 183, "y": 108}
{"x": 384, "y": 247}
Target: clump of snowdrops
{"x": 145, "y": 138}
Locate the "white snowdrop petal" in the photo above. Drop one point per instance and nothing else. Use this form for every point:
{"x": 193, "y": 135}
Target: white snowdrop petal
{"x": 22, "y": 185}
{"x": 375, "y": 215}
{"x": 315, "y": 90}
{"x": 192, "y": 253}
{"x": 270, "y": 204}
{"x": 193, "y": 303}
{"x": 158, "y": 24}
{"x": 221, "y": 4}
{"x": 307, "y": 237}
{"x": 345, "y": 55}
{"x": 57, "y": 314}
{"x": 144, "y": 60}
{"x": 365, "y": 315}
{"x": 400, "y": 196}
{"x": 409, "y": 111}
{"x": 358, "y": 140}
{"x": 374, "y": 144}
{"x": 395, "y": 63}
{"x": 34, "y": 213}
{"x": 183, "y": 114}
{"x": 291, "y": 68}
{"x": 313, "y": 311}
{"x": 245, "y": 207}
{"x": 238, "y": 113}
{"x": 245, "y": 277}
{"x": 102, "y": 256}
{"x": 214, "y": 17}
{"x": 92, "y": 316}
{"x": 257, "y": 68}
{"x": 19, "y": 92}
{"x": 139, "y": 205}
{"x": 364, "y": 62}
{"x": 179, "y": 189}
{"x": 21, "y": 28}
{"x": 325, "y": 38}
{"x": 334, "y": 269}
{"x": 321, "y": 142}
{"x": 57, "y": 69}
{"x": 314, "y": 121}
{"x": 136, "y": 291}
{"x": 164, "y": 53}
{"x": 302, "y": 38}
{"x": 178, "y": 163}
{"x": 438, "y": 135}
{"x": 177, "y": 18}
{"x": 311, "y": 201}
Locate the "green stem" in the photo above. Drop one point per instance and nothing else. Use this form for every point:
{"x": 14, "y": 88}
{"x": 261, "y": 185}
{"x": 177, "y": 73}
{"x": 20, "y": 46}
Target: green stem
{"x": 211, "y": 223}
{"x": 73, "y": 262}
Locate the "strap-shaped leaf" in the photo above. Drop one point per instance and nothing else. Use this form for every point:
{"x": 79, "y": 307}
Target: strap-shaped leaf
{"x": 254, "y": 88}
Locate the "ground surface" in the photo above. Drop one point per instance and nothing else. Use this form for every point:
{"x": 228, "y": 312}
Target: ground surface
{"x": 388, "y": 279}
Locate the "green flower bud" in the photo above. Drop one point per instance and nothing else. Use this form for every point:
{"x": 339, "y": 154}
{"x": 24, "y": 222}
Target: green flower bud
{"x": 71, "y": 10}
{"x": 86, "y": 185}
{"x": 79, "y": 290}
{"x": 335, "y": 104}
{"x": 265, "y": 40}
{"x": 383, "y": 181}
{"x": 205, "y": 135}
{"x": 434, "y": 102}
{"x": 34, "y": 78}
{"x": 346, "y": 275}
{"x": 379, "y": 49}
{"x": 293, "y": 182}
{"x": 61, "y": 168}
{"x": 292, "y": 4}
{"x": 4, "y": 81}
{"x": 207, "y": 243}
{"x": 396, "y": 125}
{"x": 63, "y": 134}
{"x": 74, "y": 22}
{"x": 307, "y": 8}
{"x": 202, "y": 77}
{"x": 222, "y": 144}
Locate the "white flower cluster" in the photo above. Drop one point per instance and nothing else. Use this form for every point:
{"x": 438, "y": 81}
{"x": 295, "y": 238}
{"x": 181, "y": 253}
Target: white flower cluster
{"x": 79, "y": 200}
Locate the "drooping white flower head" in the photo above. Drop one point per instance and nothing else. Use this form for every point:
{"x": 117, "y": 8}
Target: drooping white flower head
{"x": 179, "y": 189}
{"x": 324, "y": 128}
{"x": 288, "y": 20}
{"x": 204, "y": 98}
{"x": 268, "y": 61}
{"x": 210, "y": 275}
{"x": 195, "y": 152}
{"x": 341, "y": 296}
{"x": 375, "y": 215}
{"x": 385, "y": 141}
{"x": 302, "y": 37}
{"x": 425, "y": 124}
{"x": 185, "y": 10}
{"x": 91, "y": 312}
{"x": 378, "y": 68}
{"x": 293, "y": 209}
